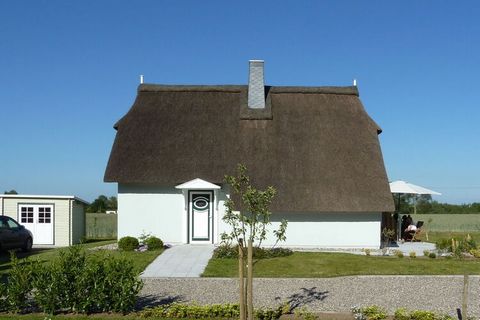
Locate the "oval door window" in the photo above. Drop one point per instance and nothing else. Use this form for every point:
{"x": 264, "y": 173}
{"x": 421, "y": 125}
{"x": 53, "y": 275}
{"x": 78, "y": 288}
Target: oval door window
{"x": 200, "y": 203}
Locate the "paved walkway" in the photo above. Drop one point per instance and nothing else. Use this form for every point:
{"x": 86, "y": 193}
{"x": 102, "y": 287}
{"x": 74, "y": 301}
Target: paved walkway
{"x": 180, "y": 261}
{"x": 417, "y": 247}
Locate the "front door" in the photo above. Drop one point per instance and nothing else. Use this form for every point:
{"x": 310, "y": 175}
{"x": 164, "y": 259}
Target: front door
{"x": 200, "y": 217}
{"x": 38, "y": 218}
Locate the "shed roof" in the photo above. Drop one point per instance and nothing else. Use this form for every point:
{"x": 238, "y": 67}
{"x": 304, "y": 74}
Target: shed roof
{"x": 37, "y": 196}
{"x": 316, "y": 145}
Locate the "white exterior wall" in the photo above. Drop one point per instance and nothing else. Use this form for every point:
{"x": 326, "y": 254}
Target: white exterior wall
{"x": 150, "y": 209}
{"x": 61, "y": 213}
{"x": 326, "y": 230}
{"x": 162, "y": 211}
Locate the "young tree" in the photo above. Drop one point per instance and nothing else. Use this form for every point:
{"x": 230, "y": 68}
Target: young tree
{"x": 248, "y": 222}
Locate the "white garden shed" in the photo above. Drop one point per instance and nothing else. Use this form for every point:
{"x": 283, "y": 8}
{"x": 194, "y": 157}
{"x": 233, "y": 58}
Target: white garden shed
{"x": 54, "y": 220}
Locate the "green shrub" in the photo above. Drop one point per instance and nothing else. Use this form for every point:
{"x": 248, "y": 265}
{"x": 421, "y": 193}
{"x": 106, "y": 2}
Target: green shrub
{"x": 475, "y": 252}
{"x": 87, "y": 284}
{"x": 401, "y": 314}
{"x": 412, "y": 254}
{"x": 432, "y": 255}
{"x": 153, "y": 243}
{"x": 128, "y": 243}
{"x": 303, "y": 313}
{"x": 19, "y": 284}
{"x": 374, "y": 312}
{"x": 226, "y": 251}
{"x": 370, "y": 313}
{"x": 266, "y": 253}
{"x": 398, "y": 253}
{"x": 457, "y": 246}
{"x": 426, "y": 253}
{"x": 3, "y": 297}
{"x": 444, "y": 245}
{"x": 117, "y": 284}
{"x": 192, "y": 311}
{"x": 48, "y": 284}
{"x": 422, "y": 315}
{"x": 466, "y": 244}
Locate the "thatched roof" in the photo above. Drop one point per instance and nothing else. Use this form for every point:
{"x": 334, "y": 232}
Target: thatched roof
{"x": 316, "y": 145}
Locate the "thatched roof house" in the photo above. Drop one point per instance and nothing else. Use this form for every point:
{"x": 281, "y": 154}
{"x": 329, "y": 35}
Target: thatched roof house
{"x": 316, "y": 145}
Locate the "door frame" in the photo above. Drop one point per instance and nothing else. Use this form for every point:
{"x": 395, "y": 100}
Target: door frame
{"x": 210, "y": 218}
{"x": 36, "y": 205}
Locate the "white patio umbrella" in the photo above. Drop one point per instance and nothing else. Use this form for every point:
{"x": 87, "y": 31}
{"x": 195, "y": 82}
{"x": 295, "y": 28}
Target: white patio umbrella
{"x": 401, "y": 187}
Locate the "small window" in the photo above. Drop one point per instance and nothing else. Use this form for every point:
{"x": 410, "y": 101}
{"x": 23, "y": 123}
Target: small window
{"x": 26, "y": 215}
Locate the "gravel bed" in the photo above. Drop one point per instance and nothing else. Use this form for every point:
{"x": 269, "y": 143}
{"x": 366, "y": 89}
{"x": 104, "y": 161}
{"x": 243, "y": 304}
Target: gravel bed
{"x": 111, "y": 246}
{"x": 441, "y": 294}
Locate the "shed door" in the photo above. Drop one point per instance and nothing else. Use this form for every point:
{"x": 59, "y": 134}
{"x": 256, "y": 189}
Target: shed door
{"x": 39, "y": 220}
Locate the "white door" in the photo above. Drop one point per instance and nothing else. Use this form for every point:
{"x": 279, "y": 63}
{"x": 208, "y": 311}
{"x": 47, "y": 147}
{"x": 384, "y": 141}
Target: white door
{"x": 38, "y": 218}
{"x": 200, "y": 216}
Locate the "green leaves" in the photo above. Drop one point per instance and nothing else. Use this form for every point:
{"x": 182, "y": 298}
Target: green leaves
{"x": 19, "y": 284}
{"x": 72, "y": 282}
{"x": 251, "y": 218}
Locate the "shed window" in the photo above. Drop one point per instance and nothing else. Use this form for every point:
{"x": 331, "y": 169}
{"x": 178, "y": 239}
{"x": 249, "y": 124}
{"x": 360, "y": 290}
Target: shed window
{"x": 26, "y": 215}
{"x": 44, "y": 215}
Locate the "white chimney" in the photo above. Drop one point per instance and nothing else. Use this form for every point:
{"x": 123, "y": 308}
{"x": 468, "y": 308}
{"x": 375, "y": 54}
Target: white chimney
{"x": 141, "y": 78}
{"x": 256, "y": 85}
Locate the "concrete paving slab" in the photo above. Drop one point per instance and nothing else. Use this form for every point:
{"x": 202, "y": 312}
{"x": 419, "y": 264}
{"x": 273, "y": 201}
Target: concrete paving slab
{"x": 185, "y": 261}
{"x": 417, "y": 247}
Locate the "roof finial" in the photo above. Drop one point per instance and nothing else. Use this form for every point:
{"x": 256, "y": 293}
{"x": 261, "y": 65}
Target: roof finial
{"x": 141, "y": 79}
{"x": 354, "y": 82}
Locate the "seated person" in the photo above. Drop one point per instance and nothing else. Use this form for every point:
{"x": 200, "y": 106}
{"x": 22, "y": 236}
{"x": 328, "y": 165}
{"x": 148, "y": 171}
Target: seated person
{"x": 410, "y": 228}
{"x": 409, "y": 232}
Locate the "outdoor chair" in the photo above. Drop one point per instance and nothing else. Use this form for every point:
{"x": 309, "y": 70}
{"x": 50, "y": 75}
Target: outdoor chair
{"x": 412, "y": 235}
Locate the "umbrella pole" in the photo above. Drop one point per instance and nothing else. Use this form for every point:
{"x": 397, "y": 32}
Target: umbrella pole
{"x": 399, "y": 232}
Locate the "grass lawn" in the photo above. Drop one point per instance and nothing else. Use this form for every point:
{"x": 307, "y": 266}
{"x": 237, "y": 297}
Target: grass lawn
{"x": 322, "y": 264}
{"x": 140, "y": 259}
{"x": 435, "y": 236}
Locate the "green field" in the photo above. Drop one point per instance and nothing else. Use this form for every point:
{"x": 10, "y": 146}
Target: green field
{"x": 450, "y": 222}
{"x": 101, "y": 226}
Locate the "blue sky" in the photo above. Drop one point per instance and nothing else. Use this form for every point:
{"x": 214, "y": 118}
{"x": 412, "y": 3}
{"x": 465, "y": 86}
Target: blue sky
{"x": 69, "y": 70}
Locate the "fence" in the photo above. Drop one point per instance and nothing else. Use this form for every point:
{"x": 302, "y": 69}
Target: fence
{"x": 450, "y": 222}
{"x": 101, "y": 226}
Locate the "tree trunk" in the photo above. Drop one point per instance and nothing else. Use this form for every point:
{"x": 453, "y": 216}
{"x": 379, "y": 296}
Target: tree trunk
{"x": 250, "y": 280}
{"x": 241, "y": 280}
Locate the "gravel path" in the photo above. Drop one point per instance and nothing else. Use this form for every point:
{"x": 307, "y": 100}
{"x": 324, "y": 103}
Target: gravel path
{"x": 437, "y": 293}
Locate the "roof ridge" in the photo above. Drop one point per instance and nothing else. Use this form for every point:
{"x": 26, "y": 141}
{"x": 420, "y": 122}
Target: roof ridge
{"x": 347, "y": 90}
